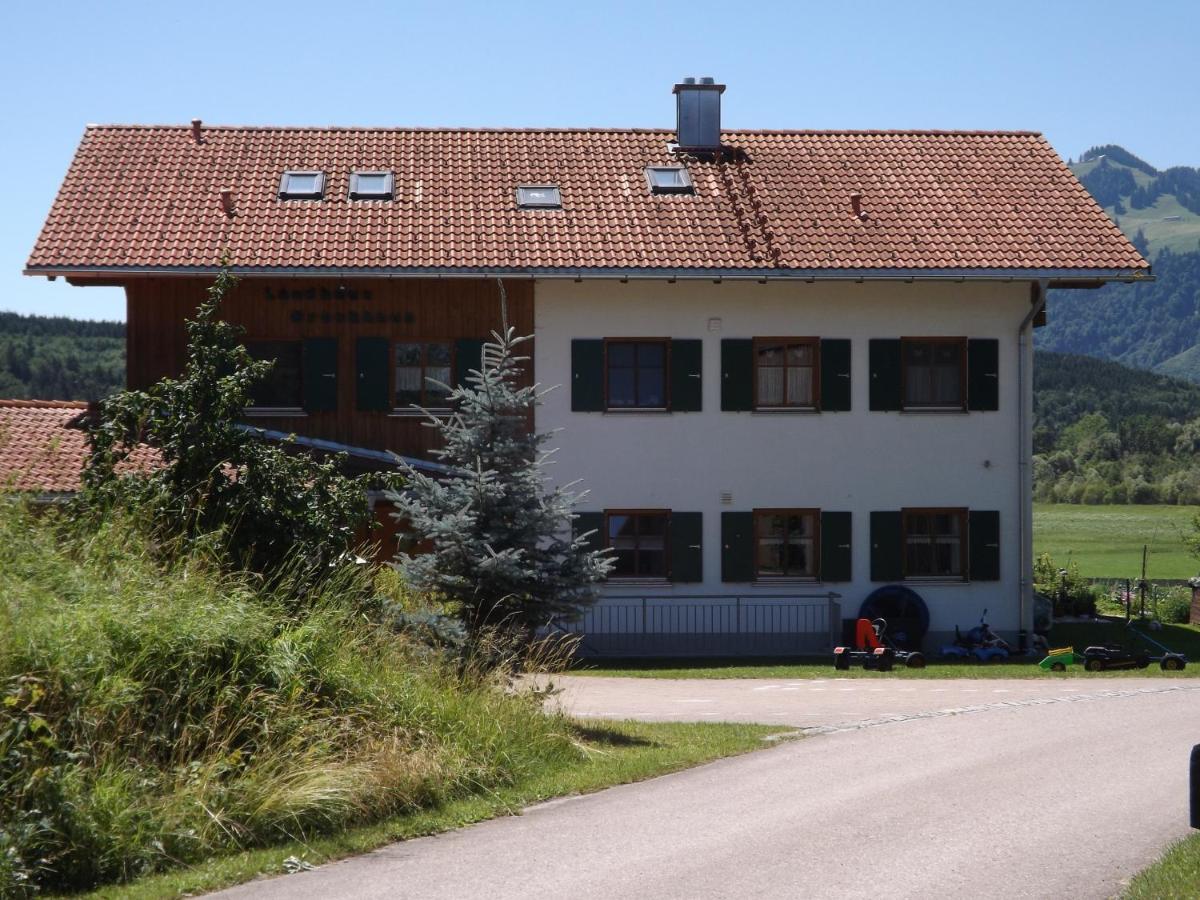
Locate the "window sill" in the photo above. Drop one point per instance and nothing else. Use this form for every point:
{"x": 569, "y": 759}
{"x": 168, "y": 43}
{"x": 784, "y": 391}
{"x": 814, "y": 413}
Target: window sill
{"x": 934, "y": 411}
{"x": 637, "y": 582}
{"x": 777, "y": 582}
{"x": 274, "y": 412}
{"x": 418, "y": 413}
{"x": 949, "y": 579}
{"x": 639, "y": 411}
{"x": 787, "y": 411}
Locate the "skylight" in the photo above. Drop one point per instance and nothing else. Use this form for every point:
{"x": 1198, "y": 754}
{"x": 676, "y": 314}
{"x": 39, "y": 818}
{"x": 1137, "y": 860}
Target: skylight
{"x": 539, "y": 196}
{"x": 371, "y": 186}
{"x": 302, "y": 185}
{"x": 668, "y": 180}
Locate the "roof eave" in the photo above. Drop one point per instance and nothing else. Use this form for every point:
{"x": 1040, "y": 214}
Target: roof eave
{"x": 624, "y": 274}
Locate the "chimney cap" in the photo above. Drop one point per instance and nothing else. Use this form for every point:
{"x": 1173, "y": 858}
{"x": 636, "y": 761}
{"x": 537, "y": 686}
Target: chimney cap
{"x": 706, "y": 83}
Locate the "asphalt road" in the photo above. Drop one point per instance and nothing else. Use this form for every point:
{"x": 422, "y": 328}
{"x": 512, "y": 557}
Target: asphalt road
{"x": 1047, "y": 793}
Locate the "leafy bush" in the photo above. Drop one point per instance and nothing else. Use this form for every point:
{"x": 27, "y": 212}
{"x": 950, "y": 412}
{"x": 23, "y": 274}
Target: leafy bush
{"x": 154, "y": 711}
{"x": 1174, "y": 605}
{"x": 1072, "y": 594}
{"x": 268, "y": 506}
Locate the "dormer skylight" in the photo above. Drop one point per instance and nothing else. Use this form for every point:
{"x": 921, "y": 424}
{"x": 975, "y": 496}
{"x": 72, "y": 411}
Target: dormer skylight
{"x": 539, "y": 196}
{"x": 668, "y": 180}
{"x": 371, "y": 186}
{"x": 302, "y": 185}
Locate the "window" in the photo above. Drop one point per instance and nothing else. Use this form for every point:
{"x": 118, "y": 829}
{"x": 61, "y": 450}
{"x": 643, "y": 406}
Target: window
{"x": 416, "y": 363}
{"x": 668, "y": 180}
{"x": 639, "y": 542}
{"x": 934, "y": 542}
{"x": 371, "y": 186}
{"x": 786, "y": 372}
{"x": 786, "y": 543}
{"x": 297, "y": 185}
{"x": 283, "y": 386}
{"x": 636, "y": 374}
{"x": 933, "y": 373}
{"x": 539, "y": 196}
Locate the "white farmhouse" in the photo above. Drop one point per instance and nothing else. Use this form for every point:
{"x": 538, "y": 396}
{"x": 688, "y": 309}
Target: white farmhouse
{"x": 796, "y": 365}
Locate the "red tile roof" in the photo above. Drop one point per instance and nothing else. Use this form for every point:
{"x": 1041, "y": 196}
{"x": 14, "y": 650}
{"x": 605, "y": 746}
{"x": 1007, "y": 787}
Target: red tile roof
{"x": 146, "y": 196}
{"x": 43, "y": 450}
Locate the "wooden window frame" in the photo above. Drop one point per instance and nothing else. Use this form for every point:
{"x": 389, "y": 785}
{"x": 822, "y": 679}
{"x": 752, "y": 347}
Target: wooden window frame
{"x": 424, "y": 342}
{"x": 297, "y": 409}
{"x": 964, "y": 543}
{"x": 815, "y": 343}
{"x": 666, "y": 342}
{"x": 666, "y": 551}
{"x": 961, "y": 406}
{"x": 788, "y": 511}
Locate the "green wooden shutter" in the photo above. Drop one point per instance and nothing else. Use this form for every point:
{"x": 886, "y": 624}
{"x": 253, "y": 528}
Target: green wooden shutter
{"x": 468, "y": 355}
{"x": 983, "y": 374}
{"x": 887, "y": 550}
{"x": 983, "y": 535}
{"x": 685, "y": 535}
{"x": 371, "y": 375}
{"x": 587, "y": 376}
{"x": 835, "y": 546}
{"x": 737, "y": 375}
{"x": 686, "y": 391}
{"x": 885, "y": 375}
{"x": 835, "y": 375}
{"x": 593, "y": 522}
{"x": 737, "y": 546}
{"x": 320, "y": 358}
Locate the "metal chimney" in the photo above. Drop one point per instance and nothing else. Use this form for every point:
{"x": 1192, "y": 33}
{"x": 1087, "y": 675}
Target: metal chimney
{"x": 698, "y": 114}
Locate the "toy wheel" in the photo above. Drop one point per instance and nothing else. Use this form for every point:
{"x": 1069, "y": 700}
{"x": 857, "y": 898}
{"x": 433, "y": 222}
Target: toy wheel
{"x": 1094, "y": 665}
{"x": 1171, "y": 664}
{"x": 916, "y": 661}
{"x": 842, "y": 662}
{"x": 1143, "y": 662}
{"x": 1058, "y": 667}
{"x": 884, "y": 663}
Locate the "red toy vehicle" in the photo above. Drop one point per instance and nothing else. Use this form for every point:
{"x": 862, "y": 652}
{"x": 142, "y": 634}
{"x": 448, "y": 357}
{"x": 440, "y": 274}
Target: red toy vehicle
{"x": 872, "y": 650}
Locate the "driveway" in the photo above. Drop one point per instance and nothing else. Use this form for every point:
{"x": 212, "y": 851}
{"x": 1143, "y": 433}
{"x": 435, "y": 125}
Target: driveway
{"x": 1053, "y": 791}
{"x": 817, "y": 704}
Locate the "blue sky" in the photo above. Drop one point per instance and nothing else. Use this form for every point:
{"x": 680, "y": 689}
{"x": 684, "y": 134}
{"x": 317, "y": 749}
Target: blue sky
{"x": 1083, "y": 73}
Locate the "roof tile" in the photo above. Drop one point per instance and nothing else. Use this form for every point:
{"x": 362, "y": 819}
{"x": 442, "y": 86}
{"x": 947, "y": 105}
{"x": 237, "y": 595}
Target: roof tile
{"x": 147, "y": 196}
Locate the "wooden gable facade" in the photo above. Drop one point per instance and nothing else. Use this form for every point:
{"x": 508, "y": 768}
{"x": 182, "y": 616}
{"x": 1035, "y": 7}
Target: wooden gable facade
{"x": 345, "y": 331}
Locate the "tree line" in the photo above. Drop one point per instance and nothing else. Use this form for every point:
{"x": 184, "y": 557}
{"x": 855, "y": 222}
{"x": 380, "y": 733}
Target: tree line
{"x": 57, "y": 358}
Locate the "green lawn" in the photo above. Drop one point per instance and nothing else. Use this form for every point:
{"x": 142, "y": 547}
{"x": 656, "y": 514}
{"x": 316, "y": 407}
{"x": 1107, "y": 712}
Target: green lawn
{"x": 618, "y": 753}
{"x": 1107, "y": 541}
{"x": 1182, "y": 638}
{"x": 1174, "y": 877}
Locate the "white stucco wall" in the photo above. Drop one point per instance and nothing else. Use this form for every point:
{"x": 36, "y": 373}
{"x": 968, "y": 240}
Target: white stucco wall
{"x": 857, "y": 461}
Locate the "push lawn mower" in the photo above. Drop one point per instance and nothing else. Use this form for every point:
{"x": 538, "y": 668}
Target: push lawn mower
{"x": 872, "y": 649}
{"x": 1108, "y": 657}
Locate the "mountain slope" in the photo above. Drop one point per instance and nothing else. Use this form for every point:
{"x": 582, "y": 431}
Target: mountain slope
{"x": 1153, "y": 325}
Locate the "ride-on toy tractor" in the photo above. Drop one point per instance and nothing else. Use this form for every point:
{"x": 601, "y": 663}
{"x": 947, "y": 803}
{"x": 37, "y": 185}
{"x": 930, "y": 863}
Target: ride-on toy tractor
{"x": 872, "y": 650}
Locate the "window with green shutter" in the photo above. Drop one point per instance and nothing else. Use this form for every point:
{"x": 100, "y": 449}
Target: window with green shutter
{"x": 320, "y": 361}
{"x": 887, "y": 546}
{"x": 835, "y": 375}
{"x": 640, "y": 541}
{"x": 737, "y": 374}
{"x": 737, "y": 546}
{"x": 983, "y": 529}
{"x": 885, "y": 384}
{"x": 835, "y": 547}
{"x": 983, "y": 374}
{"x": 423, "y": 373}
{"x": 372, "y": 370}
{"x": 686, "y": 359}
{"x": 685, "y": 533}
{"x": 587, "y": 375}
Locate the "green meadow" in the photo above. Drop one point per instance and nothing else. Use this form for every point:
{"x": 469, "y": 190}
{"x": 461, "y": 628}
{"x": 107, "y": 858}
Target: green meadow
{"x": 1107, "y": 541}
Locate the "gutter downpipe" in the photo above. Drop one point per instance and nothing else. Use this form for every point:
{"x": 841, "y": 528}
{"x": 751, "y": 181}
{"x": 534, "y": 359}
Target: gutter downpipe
{"x": 1025, "y": 475}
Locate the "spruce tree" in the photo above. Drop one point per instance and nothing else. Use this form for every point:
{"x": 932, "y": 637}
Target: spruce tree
{"x": 498, "y": 537}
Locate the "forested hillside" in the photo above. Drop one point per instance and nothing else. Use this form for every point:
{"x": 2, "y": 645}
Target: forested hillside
{"x": 1106, "y": 433}
{"x": 1153, "y": 325}
{"x": 58, "y": 358}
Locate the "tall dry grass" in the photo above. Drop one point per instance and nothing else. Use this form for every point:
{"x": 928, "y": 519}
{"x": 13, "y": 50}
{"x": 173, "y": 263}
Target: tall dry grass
{"x": 154, "y": 712}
